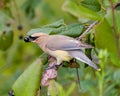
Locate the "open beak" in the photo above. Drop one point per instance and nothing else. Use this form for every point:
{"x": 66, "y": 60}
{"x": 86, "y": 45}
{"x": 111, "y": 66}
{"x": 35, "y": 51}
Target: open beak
{"x": 30, "y": 38}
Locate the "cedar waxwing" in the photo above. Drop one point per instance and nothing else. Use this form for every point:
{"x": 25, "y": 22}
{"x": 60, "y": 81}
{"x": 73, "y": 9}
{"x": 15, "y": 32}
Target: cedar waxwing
{"x": 63, "y": 48}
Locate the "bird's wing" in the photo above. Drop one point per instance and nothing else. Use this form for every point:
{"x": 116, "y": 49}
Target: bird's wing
{"x": 60, "y": 42}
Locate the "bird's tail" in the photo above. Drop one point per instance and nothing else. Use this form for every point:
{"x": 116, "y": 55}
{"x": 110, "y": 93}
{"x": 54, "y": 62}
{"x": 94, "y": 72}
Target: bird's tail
{"x": 79, "y": 55}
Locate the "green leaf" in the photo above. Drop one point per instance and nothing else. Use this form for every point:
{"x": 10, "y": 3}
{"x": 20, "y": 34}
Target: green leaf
{"x": 108, "y": 16}
{"x": 29, "y": 7}
{"x": 44, "y": 30}
{"x": 6, "y": 39}
{"x": 80, "y": 11}
{"x": 29, "y": 82}
{"x": 91, "y": 4}
{"x": 116, "y": 76}
{"x": 104, "y": 38}
{"x": 61, "y": 90}
{"x": 3, "y": 19}
{"x": 6, "y": 33}
{"x": 87, "y": 85}
{"x": 72, "y": 30}
{"x": 52, "y": 88}
{"x": 72, "y": 87}
{"x": 55, "y": 24}
{"x": 48, "y": 28}
{"x": 59, "y": 27}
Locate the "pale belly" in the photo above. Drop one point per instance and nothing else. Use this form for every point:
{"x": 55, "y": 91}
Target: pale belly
{"x": 60, "y": 56}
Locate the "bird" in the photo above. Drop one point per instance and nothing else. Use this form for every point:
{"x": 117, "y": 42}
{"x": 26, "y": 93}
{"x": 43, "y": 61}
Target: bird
{"x": 61, "y": 47}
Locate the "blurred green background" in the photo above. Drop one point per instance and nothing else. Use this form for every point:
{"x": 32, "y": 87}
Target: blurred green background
{"x": 17, "y": 17}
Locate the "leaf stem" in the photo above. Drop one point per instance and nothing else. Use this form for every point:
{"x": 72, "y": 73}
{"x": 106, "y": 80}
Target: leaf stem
{"x": 78, "y": 76}
{"x": 101, "y": 85}
{"x": 17, "y": 11}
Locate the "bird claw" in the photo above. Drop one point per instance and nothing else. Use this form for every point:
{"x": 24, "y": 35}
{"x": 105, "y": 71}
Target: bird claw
{"x": 55, "y": 66}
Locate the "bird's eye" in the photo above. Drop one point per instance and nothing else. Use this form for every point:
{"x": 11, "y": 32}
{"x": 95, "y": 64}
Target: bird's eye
{"x": 33, "y": 38}
{"x": 30, "y": 36}
{"x": 26, "y": 39}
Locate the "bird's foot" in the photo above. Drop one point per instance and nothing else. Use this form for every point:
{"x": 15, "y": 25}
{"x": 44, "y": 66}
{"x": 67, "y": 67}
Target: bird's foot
{"x": 74, "y": 64}
{"x": 55, "y": 66}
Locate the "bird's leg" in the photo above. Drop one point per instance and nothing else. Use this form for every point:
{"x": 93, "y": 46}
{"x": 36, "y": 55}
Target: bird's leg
{"x": 73, "y": 63}
{"x": 50, "y": 58}
{"x": 55, "y": 65}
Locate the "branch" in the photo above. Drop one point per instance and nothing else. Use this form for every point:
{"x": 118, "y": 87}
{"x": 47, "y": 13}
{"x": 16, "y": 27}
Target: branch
{"x": 87, "y": 30}
{"x": 114, "y": 28}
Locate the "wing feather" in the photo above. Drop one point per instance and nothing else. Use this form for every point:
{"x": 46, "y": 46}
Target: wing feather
{"x": 79, "y": 55}
{"x": 60, "y": 42}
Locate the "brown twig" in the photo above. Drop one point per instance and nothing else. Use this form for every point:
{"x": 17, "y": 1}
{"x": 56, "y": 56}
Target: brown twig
{"x": 87, "y": 30}
{"x": 114, "y": 28}
{"x": 78, "y": 77}
{"x": 17, "y": 12}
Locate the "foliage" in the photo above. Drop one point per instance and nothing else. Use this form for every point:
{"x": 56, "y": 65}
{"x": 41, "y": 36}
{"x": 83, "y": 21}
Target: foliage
{"x": 69, "y": 17}
{"x": 25, "y": 82}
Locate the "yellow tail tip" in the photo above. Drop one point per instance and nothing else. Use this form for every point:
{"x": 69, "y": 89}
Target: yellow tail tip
{"x": 99, "y": 69}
